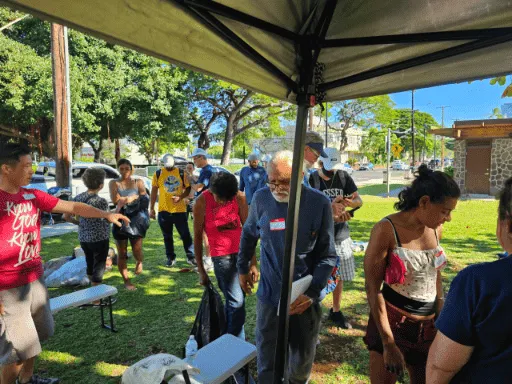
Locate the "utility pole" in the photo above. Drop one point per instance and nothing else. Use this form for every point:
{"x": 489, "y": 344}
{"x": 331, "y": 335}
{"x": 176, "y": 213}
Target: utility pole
{"x": 412, "y": 129}
{"x": 442, "y": 137}
{"x": 326, "y": 125}
{"x": 388, "y": 150}
{"x": 311, "y": 115}
{"x": 61, "y": 105}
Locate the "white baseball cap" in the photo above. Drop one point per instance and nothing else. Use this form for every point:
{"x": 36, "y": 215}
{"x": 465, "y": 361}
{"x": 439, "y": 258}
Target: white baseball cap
{"x": 332, "y": 160}
{"x": 199, "y": 152}
{"x": 168, "y": 160}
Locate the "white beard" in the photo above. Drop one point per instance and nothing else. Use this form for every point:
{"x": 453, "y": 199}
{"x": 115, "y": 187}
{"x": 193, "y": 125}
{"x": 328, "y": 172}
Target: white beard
{"x": 280, "y": 199}
{"x": 307, "y": 165}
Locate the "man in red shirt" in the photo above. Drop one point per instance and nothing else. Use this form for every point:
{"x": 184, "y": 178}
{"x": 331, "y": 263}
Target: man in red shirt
{"x": 25, "y": 316}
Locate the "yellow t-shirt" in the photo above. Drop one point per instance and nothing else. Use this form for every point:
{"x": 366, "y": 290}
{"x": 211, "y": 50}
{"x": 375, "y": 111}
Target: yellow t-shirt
{"x": 170, "y": 184}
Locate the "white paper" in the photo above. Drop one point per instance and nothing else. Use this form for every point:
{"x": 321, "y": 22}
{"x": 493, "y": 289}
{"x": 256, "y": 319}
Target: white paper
{"x": 298, "y": 288}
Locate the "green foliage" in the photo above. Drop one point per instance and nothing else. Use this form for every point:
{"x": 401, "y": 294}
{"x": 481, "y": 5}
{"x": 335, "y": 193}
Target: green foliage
{"x": 449, "y": 171}
{"x": 243, "y": 112}
{"x": 215, "y": 151}
{"x": 351, "y": 161}
{"x": 423, "y": 121}
{"x": 362, "y": 113}
{"x": 115, "y": 92}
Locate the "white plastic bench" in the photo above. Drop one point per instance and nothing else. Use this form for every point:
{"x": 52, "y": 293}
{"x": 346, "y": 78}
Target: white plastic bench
{"x": 100, "y": 292}
{"x": 221, "y": 358}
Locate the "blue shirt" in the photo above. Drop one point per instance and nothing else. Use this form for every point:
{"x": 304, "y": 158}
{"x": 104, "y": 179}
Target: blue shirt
{"x": 252, "y": 179}
{"x": 315, "y": 252}
{"x": 477, "y": 313}
{"x": 204, "y": 178}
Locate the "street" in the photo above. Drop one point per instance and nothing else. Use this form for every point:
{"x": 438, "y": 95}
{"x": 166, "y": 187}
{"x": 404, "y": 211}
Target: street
{"x": 376, "y": 177}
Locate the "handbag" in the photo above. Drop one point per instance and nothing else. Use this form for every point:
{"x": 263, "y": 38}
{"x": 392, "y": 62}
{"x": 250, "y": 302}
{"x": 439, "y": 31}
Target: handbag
{"x": 395, "y": 269}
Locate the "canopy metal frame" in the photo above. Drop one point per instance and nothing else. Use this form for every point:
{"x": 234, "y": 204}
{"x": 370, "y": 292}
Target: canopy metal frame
{"x": 308, "y": 47}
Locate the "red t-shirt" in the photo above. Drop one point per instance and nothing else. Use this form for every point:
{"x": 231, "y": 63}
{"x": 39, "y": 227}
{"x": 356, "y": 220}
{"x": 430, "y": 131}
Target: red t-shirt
{"x": 20, "y": 242}
{"x": 222, "y": 225}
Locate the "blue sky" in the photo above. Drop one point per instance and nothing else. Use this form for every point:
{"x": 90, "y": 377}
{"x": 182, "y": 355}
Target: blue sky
{"x": 466, "y": 101}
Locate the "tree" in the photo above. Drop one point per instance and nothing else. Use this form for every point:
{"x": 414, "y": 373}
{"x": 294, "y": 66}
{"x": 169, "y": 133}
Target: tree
{"x": 423, "y": 121}
{"x": 373, "y": 145}
{"x": 115, "y": 92}
{"x": 362, "y": 113}
{"x": 242, "y": 109}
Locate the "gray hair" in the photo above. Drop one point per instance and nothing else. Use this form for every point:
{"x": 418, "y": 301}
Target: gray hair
{"x": 313, "y": 137}
{"x": 94, "y": 177}
{"x": 281, "y": 157}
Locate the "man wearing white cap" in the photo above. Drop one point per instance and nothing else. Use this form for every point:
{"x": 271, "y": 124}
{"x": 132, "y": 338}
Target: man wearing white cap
{"x": 173, "y": 186}
{"x": 199, "y": 156}
{"x": 252, "y": 177}
{"x": 340, "y": 188}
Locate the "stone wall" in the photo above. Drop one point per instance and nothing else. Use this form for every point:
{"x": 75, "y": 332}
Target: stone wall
{"x": 459, "y": 163}
{"x": 501, "y": 163}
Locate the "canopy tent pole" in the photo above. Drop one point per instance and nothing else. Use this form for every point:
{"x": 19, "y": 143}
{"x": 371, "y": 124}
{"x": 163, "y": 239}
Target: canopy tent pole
{"x": 292, "y": 223}
{"x": 305, "y": 100}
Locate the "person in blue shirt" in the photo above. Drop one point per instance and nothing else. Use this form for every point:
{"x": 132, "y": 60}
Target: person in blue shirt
{"x": 252, "y": 177}
{"x": 199, "y": 156}
{"x": 315, "y": 255}
{"x": 474, "y": 339}
{"x": 313, "y": 149}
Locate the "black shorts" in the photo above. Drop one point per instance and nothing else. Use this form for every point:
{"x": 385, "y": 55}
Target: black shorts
{"x": 96, "y": 257}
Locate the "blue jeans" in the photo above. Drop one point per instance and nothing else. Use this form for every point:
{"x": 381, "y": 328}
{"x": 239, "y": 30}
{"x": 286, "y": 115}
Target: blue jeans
{"x": 302, "y": 337}
{"x": 227, "y": 277}
{"x": 167, "y": 222}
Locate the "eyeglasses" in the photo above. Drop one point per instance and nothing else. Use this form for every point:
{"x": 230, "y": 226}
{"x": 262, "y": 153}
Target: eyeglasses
{"x": 280, "y": 186}
{"x": 313, "y": 151}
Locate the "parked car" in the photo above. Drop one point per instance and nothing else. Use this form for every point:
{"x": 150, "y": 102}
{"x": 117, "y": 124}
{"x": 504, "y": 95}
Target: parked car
{"x": 347, "y": 168}
{"x": 44, "y": 178}
{"x": 366, "y": 167}
{"x": 399, "y": 165}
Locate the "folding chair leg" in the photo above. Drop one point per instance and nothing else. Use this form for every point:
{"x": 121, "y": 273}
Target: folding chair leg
{"x": 246, "y": 371}
{"x": 186, "y": 377}
{"x": 103, "y": 325}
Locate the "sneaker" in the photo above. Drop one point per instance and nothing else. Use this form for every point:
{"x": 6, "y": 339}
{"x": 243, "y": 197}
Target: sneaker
{"x": 192, "y": 262}
{"x": 339, "y": 320}
{"x": 170, "y": 263}
{"x": 40, "y": 380}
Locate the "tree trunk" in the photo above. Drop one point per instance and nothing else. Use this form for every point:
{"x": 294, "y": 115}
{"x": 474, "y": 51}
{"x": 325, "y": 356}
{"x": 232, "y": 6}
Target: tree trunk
{"x": 228, "y": 142}
{"x": 203, "y": 141}
{"x": 118, "y": 150}
{"x": 97, "y": 151}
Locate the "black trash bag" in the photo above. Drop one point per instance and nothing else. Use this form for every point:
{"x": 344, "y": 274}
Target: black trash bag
{"x": 210, "y": 322}
{"x": 138, "y": 214}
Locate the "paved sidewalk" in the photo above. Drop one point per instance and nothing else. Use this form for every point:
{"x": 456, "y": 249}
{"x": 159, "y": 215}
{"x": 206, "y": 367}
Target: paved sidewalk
{"x": 58, "y": 229}
{"x": 392, "y": 192}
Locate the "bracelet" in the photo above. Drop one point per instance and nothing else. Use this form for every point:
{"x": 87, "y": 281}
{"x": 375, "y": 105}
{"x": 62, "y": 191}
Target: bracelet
{"x": 440, "y": 298}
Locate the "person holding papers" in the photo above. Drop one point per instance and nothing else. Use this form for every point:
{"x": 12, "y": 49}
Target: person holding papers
{"x": 316, "y": 256}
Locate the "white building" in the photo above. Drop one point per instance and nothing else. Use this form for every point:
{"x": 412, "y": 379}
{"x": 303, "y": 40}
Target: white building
{"x": 354, "y": 137}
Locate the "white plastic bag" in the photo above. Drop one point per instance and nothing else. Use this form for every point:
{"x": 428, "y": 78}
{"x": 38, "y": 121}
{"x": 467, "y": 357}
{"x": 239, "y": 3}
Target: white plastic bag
{"x": 72, "y": 273}
{"x": 157, "y": 368}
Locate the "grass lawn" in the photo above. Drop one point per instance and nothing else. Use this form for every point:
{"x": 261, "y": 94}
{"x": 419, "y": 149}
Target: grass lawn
{"x": 377, "y": 189}
{"x": 158, "y": 316}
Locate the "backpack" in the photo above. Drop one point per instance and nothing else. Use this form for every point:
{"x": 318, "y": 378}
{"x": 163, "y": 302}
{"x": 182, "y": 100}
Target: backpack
{"x": 339, "y": 172}
{"x": 182, "y": 176}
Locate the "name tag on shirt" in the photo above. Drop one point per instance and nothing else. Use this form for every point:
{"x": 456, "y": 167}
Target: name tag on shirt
{"x": 277, "y": 225}
{"x": 28, "y": 196}
{"x": 440, "y": 260}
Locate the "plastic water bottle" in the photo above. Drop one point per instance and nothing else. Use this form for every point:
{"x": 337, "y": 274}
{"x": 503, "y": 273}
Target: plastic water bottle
{"x": 191, "y": 348}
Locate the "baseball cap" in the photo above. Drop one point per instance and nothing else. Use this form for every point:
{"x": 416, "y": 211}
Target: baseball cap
{"x": 168, "y": 160}
{"x": 199, "y": 152}
{"x": 253, "y": 156}
{"x": 332, "y": 160}
{"x": 319, "y": 147}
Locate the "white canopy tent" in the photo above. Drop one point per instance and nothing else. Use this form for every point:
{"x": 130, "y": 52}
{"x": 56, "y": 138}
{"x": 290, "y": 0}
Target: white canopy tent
{"x": 304, "y": 51}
